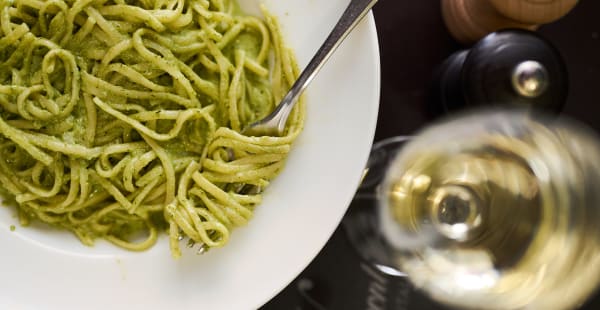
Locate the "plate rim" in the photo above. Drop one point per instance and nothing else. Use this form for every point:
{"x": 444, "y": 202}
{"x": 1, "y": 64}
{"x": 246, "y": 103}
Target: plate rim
{"x": 371, "y": 26}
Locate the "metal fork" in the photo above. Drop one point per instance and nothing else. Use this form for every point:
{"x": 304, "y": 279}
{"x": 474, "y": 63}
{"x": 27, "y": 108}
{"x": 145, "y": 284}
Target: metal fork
{"x": 202, "y": 248}
{"x": 274, "y": 123}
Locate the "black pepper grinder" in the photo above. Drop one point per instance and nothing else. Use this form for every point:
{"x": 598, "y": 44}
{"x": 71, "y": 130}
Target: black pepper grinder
{"x": 506, "y": 68}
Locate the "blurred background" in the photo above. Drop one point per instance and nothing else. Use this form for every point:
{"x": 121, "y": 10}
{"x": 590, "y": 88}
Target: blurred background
{"x": 414, "y": 42}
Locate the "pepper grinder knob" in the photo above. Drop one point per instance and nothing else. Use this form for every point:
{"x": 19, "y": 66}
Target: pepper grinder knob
{"x": 533, "y": 11}
{"x": 508, "y": 67}
{"x": 470, "y": 20}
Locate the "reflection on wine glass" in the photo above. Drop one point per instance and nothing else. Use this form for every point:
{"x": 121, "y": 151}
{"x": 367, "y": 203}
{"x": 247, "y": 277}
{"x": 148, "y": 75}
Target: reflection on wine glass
{"x": 495, "y": 210}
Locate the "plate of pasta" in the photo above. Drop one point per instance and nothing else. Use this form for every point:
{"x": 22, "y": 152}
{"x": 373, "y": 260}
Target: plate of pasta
{"x": 121, "y": 143}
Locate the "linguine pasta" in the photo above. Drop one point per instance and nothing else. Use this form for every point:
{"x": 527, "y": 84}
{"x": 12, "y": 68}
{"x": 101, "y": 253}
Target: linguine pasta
{"x": 121, "y": 118}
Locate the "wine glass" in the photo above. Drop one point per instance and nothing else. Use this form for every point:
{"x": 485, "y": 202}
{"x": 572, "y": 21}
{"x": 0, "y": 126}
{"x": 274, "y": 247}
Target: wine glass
{"x": 488, "y": 210}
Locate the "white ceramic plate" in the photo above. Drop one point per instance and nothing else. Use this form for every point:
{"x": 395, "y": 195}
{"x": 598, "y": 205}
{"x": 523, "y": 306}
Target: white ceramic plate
{"x": 42, "y": 269}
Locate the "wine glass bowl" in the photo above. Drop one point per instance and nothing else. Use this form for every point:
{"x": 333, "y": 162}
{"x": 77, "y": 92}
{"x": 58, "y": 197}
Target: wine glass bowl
{"x": 496, "y": 210}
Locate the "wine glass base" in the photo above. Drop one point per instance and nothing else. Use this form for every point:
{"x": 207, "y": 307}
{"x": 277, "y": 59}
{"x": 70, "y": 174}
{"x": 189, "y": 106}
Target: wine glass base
{"x": 361, "y": 222}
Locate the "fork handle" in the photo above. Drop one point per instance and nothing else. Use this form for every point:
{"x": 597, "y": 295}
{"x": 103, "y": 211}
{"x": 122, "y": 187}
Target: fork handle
{"x": 354, "y": 13}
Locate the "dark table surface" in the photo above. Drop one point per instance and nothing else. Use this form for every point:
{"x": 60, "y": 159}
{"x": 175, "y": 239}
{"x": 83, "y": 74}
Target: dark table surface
{"x": 413, "y": 42}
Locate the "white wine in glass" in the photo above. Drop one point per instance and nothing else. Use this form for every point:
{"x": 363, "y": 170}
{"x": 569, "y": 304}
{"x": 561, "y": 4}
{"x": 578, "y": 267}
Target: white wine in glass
{"x": 497, "y": 210}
